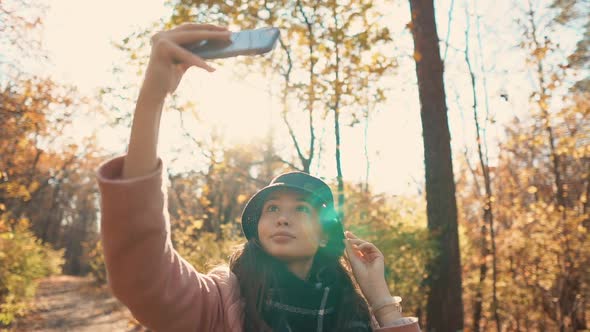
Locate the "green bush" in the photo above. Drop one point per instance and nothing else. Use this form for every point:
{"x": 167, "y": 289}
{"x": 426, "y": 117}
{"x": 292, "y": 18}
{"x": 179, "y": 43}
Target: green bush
{"x": 95, "y": 257}
{"x": 23, "y": 260}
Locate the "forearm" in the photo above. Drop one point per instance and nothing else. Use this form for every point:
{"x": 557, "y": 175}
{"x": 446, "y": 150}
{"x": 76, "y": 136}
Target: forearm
{"x": 379, "y": 298}
{"x": 141, "y": 158}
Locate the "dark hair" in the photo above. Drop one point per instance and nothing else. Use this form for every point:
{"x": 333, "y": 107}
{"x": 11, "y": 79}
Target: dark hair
{"x": 254, "y": 270}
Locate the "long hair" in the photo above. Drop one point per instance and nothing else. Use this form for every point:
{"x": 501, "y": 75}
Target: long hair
{"x": 253, "y": 267}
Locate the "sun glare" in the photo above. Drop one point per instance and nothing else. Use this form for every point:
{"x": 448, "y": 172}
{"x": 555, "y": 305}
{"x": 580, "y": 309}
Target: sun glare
{"x": 78, "y": 36}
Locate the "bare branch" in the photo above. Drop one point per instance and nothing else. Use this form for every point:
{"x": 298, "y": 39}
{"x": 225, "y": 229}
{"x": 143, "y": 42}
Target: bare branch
{"x": 448, "y": 30}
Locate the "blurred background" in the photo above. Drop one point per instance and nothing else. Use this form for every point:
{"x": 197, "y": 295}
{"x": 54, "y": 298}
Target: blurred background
{"x": 339, "y": 98}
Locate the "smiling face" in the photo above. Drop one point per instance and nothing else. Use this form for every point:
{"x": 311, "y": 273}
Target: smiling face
{"x": 289, "y": 227}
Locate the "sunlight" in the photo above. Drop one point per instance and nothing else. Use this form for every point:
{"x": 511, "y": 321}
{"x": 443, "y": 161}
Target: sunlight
{"x": 78, "y": 36}
{"x": 241, "y": 111}
{"x": 244, "y": 110}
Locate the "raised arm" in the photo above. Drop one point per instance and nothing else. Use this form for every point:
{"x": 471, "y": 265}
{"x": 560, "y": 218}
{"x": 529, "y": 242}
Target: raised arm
{"x": 168, "y": 63}
{"x": 162, "y": 290}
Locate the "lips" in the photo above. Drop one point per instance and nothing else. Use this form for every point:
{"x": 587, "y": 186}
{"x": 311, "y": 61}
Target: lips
{"x": 283, "y": 234}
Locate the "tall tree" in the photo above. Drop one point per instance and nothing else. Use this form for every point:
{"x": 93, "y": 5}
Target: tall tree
{"x": 488, "y": 200}
{"x": 445, "y": 305}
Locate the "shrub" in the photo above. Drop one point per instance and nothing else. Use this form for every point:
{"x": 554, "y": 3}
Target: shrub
{"x": 95, "y": 258}
{"x": 23, "y": 260}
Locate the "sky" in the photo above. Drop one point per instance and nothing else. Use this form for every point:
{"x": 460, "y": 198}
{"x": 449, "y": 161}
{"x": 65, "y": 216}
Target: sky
{"x": 79, "y": 34}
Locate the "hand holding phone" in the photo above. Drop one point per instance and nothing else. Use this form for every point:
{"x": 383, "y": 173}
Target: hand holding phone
{"x": 246, "y": 42}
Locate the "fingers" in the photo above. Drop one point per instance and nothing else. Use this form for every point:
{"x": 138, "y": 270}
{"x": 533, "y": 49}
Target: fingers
{"x": 361, "y": 245}
{"x": 197, "y": 26}
{"x": 350, "y": 235}
{"x": 367, "y": 246}
{"x": 356, "y": 241}
{"x": 352, "y": 250}
{"x": 353, "y": 238}
{"x": 358, "y": 245}
{"x": 190, "y": 36}
{"x": 168, "y": 43}
{"x": 181, "y": 55}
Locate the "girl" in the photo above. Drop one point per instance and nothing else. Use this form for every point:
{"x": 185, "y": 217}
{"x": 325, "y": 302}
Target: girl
{"x": 288, "y": 276}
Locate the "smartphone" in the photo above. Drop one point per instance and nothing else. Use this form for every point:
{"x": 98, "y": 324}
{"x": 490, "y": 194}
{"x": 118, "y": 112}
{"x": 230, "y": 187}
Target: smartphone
{"x": 245, "y": 42}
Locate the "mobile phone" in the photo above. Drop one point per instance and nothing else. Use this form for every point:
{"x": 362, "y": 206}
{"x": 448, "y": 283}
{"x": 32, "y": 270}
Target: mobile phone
{"x": 245, "y": 42}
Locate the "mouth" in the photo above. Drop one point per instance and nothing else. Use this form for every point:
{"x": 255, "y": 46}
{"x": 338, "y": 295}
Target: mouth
{"x": 282, "y": 235}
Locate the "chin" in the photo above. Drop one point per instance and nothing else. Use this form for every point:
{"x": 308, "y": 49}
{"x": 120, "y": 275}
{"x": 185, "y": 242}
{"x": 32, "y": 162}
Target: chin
{"x": 286, "y": 255}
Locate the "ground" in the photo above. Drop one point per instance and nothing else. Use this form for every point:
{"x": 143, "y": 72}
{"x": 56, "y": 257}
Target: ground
{"x": 67, "y": 303}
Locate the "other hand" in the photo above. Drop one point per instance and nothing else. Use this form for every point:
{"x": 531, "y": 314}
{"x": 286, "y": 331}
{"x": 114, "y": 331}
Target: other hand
{"x": 368, "y": 267}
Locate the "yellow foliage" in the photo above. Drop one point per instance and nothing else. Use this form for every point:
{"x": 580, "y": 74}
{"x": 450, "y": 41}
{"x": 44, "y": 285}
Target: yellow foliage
{"x": 242, "y": 199}
{"x": 398, "y": 228}
{"x": 23, "y": 260}
{"x": 542, "y": 248}
{"x": 95, "y": 256}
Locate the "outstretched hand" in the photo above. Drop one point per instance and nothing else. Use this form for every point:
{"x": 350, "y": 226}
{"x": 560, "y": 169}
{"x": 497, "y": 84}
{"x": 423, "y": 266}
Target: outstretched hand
{"x": 169, "y": 60}
{"x": 368, "y": 267}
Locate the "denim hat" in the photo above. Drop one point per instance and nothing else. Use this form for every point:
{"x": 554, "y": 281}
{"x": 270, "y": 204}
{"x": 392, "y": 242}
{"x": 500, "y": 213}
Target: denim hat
{"x": 321, "y": 196}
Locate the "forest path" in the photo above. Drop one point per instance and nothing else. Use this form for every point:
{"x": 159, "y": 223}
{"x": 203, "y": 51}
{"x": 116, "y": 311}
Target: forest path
{"x": 69, "y": 303}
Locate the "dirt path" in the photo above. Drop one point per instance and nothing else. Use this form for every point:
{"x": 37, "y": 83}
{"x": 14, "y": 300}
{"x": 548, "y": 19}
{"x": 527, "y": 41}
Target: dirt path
{"x": 66, "y": 303}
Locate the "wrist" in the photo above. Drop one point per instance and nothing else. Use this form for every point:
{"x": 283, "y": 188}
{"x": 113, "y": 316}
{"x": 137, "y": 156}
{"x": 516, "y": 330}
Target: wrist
{"x": 377, "y": 293}
{"x": 386, "y": 316}
{"x": 151, "y": 95}
{"x": 154, "y": 87}
{"x": 388, "y": 311}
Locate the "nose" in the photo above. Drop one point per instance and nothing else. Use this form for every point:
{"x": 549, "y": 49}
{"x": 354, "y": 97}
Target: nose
{"x": 283, "y": 220}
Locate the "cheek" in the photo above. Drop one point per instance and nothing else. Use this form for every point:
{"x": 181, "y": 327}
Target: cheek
{"x": 263, "y": 226}
{"x": 313, "y": 231}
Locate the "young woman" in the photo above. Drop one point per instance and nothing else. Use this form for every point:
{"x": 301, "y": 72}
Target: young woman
{"x": 290, "y": 275}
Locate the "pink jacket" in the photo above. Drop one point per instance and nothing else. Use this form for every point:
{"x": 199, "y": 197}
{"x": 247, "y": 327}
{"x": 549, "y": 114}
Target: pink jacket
{"x": 162, "y": 290}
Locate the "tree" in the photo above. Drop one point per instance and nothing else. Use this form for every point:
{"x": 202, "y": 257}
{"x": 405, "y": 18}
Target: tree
{"x": 541, "y": 184}
{"x": 487, "y": 223}
{"x": 561, "y": 136}
{"x": 330, "y": 58}
{"x": 445, "y": 305}
{"x": 574, "y": 11}
{"x": 20, "y": 24}
{"x": 543, "y": 258}
{"x": 44, "y": 176}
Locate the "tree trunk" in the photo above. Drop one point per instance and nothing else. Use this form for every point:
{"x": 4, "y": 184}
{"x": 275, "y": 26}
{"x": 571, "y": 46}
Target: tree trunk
{"x": 305, "y": 161}
{"x": 488, "y": 215}
{"x": 336, "y": 108}
{"x": 339, "y": 166}
{"x": 445, "y": 305}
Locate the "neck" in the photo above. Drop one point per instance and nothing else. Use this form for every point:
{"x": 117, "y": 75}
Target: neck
{"x": 300, "y": 268}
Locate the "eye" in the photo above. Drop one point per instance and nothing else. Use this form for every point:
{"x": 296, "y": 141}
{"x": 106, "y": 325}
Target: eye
{"x": 303, "y": 208}
{"x": 272, "y": 208}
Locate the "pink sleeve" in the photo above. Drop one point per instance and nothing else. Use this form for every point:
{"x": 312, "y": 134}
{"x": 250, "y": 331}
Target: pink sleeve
{"x": 405, "y": 324}
{"x": 163, "y": 291}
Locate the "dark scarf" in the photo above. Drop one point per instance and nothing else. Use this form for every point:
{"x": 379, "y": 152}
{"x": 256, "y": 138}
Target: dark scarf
{"x": 295, "y": 305}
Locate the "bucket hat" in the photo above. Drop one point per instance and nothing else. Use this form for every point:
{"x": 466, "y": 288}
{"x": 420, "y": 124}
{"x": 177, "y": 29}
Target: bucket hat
{"x": 320, "y": 194}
